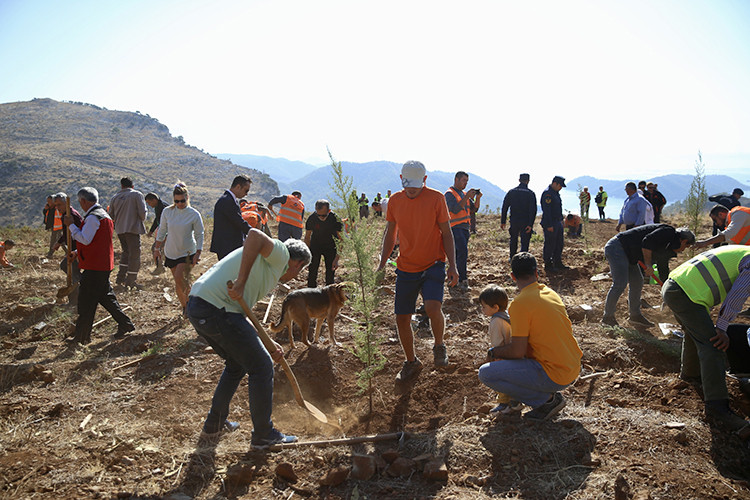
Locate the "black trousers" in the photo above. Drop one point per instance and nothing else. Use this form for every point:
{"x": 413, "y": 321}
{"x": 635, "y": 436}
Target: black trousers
{"x": 515, "y": 231}
{"x": 312, "y": 272}
{"x": 94, "y": 290}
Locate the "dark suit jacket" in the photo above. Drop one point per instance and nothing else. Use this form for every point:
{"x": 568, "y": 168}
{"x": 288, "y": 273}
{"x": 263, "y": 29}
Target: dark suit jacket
{"x": 229, "y": 226}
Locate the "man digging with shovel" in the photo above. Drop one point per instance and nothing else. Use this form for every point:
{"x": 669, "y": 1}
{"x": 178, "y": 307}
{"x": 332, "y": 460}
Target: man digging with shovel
{"x": 216, "y": 312}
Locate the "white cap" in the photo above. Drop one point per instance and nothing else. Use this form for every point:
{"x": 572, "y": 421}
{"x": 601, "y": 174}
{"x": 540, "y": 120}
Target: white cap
{"x": 412, "y": 174}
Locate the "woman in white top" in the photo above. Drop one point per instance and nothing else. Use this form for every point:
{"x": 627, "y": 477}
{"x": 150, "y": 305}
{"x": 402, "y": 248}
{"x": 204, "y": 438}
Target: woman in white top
{"x": 180, "y": 240}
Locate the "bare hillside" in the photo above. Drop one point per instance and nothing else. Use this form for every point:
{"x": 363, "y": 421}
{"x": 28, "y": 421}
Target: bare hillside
{"x": 48, "y": 146}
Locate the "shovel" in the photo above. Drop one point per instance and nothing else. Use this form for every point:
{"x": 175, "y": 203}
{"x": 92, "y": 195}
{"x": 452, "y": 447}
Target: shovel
{"x": 68, "y": 289}
{"x": 319, "y": 415}
{"x": 643, "y": 266}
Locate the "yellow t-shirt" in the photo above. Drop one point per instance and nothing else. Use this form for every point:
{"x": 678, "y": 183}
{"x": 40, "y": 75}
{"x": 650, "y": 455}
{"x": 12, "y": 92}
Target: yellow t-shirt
{"x": 539, "y": 314}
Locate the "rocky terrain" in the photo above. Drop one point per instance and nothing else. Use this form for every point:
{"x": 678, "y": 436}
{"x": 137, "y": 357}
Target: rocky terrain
{"x": 122, "y": 418}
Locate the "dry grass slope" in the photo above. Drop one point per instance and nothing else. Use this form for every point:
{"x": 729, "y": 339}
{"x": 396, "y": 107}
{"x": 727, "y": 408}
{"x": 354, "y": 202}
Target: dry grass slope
{"x": 48, "y": 146}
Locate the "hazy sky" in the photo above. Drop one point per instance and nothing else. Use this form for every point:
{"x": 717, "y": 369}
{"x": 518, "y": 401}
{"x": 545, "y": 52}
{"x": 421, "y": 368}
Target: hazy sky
{"x": 494, "y": 87}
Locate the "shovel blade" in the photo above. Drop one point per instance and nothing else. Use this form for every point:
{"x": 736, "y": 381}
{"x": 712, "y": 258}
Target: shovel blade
{"x": 66, "y": 290}
{"x": 319, "y": 415}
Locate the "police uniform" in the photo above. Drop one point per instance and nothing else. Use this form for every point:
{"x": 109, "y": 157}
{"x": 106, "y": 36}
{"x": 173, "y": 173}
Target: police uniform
{"x": 552, "y": 217}
{"x": 522, "y": 204}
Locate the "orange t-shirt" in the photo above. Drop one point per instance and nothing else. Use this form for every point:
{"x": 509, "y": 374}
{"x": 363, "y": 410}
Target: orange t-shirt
{"x": 421, "y": 241}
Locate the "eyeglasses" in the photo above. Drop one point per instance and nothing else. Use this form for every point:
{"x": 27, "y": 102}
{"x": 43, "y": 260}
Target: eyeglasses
{"x": 183, "y": 200}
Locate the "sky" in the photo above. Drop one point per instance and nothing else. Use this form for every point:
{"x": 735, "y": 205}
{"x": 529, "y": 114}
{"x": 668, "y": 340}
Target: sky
{"x": 611, "y": 89}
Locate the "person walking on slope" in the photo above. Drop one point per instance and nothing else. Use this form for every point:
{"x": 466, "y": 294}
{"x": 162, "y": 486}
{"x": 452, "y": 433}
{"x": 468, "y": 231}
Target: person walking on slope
{"x": 60, "y": 200}
{"x": 153, "y": 201}
{"x": 522, "y": 204}
{"x": 53, "y": 222}
{"x": 96, "y": 258}
{"x": 460, "y": 222}
{"x": 426, "y": 240}
{"x": 230, "y": 228}
{"x": 552, "y": 224}
{"x": 128, "y": 211}
{"x": 322, "y": 229}
{"x": 717, "y": 276}
{"x": 585, "y": 199}
{"x": 601, "y": 201}
{"x": 291, "y": 214}
{"x": 180, "y": 240}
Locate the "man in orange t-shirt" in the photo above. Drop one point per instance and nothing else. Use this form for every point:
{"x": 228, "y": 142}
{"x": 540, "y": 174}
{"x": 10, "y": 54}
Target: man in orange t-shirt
{"x": 421, "y": 215}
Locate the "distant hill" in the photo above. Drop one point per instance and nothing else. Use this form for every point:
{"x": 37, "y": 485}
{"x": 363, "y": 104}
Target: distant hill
{"x": 380, "y": 176}
{"x": 48, "y": 146}
{"x": 281, "y": 169}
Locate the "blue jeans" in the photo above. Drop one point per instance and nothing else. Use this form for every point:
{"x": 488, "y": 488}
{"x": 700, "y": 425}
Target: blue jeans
{"x": 461, "y": 239}
{"x": 236, "y": 341}
{"x": 522, "y": 379}
{"x": 623, "y": 274}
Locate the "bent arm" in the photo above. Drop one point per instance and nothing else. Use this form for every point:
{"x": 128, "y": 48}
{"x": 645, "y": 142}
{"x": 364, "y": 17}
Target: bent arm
{"x": 516, "y": 349}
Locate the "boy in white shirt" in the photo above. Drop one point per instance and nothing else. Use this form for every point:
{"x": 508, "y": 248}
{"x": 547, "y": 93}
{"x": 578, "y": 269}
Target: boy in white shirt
{"x": 494, "y": 302}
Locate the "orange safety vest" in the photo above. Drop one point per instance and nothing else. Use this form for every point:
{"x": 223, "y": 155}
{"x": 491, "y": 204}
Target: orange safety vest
{"x": 463, "y": 216}
{"x": 251, "y": 216}
{"x": 291, "y": 211}
{"x": 253, "y": 205}
{"x": 58, "y": 221}
{"x": 743, "y": 236}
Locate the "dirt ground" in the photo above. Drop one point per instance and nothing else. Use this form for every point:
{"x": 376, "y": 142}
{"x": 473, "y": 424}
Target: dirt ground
{"x": 122, "y": 418}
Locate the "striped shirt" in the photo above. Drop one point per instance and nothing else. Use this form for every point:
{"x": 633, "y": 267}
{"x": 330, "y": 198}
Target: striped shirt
{"x": 736, "y": 296}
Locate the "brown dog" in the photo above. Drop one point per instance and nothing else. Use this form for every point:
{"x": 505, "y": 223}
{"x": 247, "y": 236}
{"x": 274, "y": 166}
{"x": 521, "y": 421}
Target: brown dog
{"x": 318, "y": 303}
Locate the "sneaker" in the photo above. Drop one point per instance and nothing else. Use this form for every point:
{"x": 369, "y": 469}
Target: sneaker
{"x": 227, "y": 426}
{"x": 547, "y": 410}
{"x": 463, "y": 285}
{"x": 410, "y": 370}
{"x": 509, "y": 407}
{"x": 609, "y": 320}
{"x": 124, "y": 330}
{"x": 723, "y": 417}
{"x": 640, "y": 320}
{"x": 440, "y": 354}
{"x": 274, "y": 437}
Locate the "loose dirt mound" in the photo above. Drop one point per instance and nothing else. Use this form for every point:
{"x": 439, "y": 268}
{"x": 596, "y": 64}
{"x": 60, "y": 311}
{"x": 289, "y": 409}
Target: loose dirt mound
{"x": 122, "y": 418}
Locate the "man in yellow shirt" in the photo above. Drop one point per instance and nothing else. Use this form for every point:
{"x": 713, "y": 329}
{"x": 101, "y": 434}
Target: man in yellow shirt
{"x": 543, "y": 357}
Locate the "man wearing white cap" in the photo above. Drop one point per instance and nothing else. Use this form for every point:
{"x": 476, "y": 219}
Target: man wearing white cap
{"x": 425, "y": 240}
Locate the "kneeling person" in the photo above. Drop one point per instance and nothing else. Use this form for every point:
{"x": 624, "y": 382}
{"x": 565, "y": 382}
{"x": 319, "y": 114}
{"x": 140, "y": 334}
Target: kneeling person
{"x": 543, "y": 357}
{"x": 215, "y": 312}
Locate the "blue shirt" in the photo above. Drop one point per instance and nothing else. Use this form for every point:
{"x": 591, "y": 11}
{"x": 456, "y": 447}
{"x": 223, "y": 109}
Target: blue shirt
{"x": 633, "y": 211}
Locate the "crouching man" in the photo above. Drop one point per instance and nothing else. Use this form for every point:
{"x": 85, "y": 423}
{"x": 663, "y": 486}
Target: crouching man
{"x": 215, "y": 312}
{"x": 543, "y": 357}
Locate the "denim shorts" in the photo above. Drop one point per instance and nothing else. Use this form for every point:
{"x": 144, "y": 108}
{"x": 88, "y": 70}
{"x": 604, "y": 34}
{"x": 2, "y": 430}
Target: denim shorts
{"x": 408, "y": 286}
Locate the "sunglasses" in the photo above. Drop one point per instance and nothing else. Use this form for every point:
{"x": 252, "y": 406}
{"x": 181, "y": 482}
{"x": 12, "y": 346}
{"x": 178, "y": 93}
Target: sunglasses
{"x": 183, "y": 200}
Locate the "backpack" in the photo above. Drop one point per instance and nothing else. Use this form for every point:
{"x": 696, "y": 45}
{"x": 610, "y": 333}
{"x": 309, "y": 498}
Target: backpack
{"x": 598, "y": 197}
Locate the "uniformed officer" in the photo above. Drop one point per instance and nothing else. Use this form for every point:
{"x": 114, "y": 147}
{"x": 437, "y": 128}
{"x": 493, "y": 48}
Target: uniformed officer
{"x": 552, "y": 224}
{"x": 522, "y": 203}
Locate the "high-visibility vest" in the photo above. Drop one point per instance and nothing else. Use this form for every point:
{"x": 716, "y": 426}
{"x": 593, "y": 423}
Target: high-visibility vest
{"x": 291, "y": 211}
{"x": 707, "y": 278}
{"x": 251, "y": 217}
{"x": 743, "y": 236}
{"x": 463, "y": 216}
{"x": 253, "y": 206}
{"x": 58, "y": 221}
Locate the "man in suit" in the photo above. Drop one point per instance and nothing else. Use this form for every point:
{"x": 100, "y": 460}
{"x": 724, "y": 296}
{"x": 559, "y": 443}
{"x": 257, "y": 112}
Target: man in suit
{"x": 230, "y": 228}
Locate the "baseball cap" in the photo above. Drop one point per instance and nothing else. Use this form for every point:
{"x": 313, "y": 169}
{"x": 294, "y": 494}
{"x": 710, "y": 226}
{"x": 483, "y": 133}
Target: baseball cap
{"x": 412, "y": 174}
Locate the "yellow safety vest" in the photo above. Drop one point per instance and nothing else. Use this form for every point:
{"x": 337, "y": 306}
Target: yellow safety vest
{"x": 707, "y": 278}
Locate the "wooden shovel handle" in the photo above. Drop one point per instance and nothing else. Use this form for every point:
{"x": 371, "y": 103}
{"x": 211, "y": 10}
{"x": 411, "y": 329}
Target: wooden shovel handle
{"x": 270, "y": 347}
